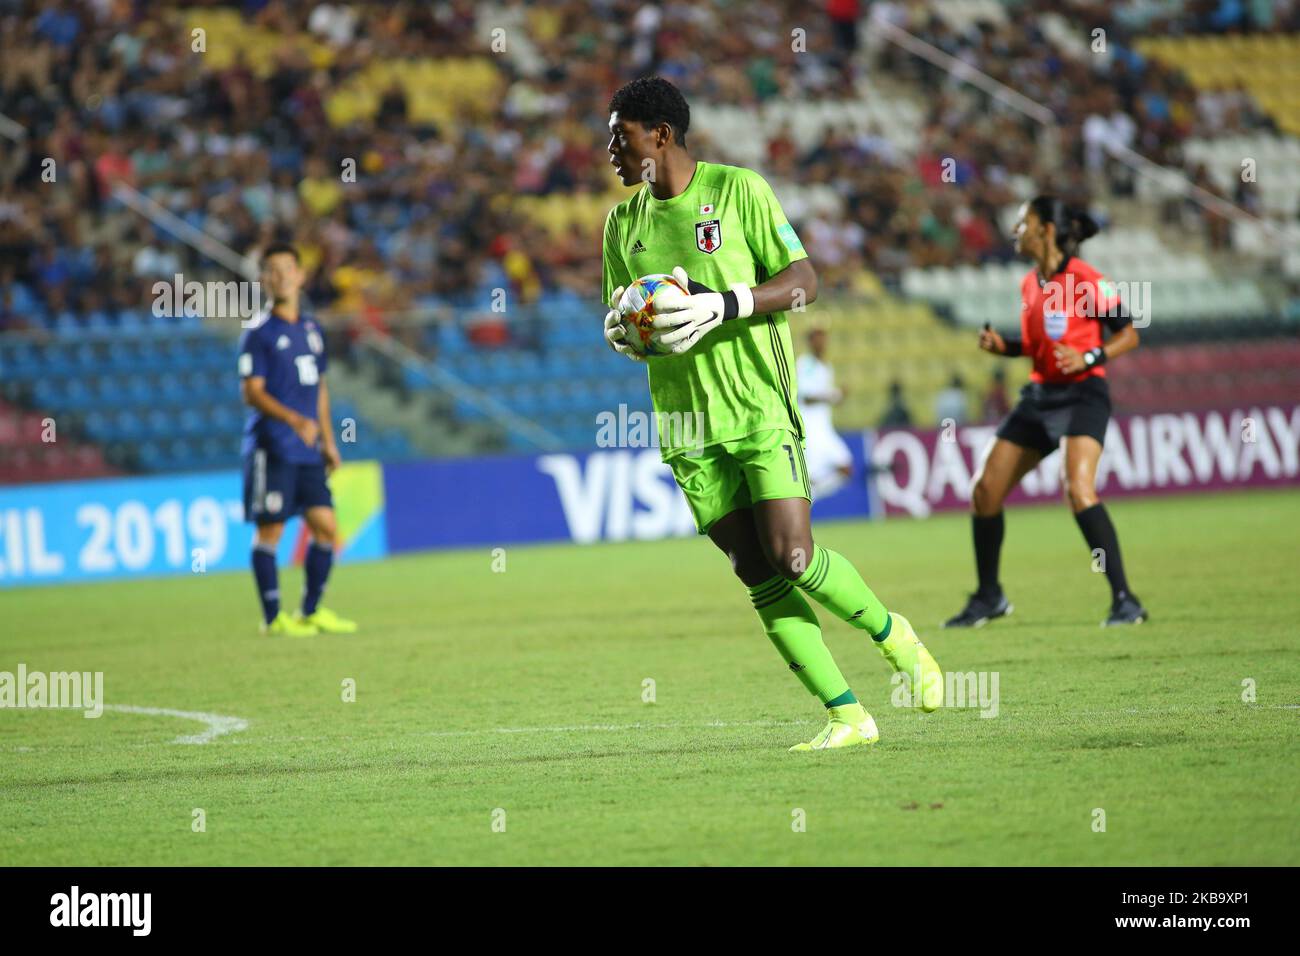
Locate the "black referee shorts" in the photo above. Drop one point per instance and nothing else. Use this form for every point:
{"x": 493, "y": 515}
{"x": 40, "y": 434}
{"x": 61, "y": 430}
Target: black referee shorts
{"x": 1046, "y": 413}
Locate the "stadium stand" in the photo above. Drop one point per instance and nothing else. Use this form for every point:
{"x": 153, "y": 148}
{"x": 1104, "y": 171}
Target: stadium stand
{"x": 27, "y": 453}
{"x": 1179, "y": 378}
{"x": 1264, "y": 65}
{"x": 480, "y": 170}
{"x": 151, "y": 403}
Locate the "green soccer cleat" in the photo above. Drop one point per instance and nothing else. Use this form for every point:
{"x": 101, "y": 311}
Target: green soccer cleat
{"x": 327, "y": 622}
{"x": 849, "y": 726}
{"x": 907, "y": 655}
{"x": 286, "y": 626}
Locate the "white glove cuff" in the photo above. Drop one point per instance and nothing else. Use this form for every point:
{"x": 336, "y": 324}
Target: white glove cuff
{"x": 744, "y": 300}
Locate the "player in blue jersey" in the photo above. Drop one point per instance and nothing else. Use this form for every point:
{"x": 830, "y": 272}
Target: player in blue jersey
{"x": 288, "y": 447}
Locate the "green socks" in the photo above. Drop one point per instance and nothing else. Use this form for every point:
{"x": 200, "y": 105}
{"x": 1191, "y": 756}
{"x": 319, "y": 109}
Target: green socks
{"x": 836, "y": 585}
{"x": 844, "y": 698}
{"x": 792, "y": 626}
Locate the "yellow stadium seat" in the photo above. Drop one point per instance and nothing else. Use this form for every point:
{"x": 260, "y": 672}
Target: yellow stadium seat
{"x": 1264, "y": 63}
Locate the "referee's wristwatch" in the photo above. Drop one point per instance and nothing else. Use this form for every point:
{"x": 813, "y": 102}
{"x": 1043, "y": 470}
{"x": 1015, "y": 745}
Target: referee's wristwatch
{"x": 1094, "y": 357}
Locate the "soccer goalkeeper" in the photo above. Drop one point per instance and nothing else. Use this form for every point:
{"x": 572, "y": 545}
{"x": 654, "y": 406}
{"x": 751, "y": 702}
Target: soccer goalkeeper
{"x": 721, "y": 232}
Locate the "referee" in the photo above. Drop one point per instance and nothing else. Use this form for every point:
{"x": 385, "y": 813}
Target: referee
{"x": 1064, "y": 302}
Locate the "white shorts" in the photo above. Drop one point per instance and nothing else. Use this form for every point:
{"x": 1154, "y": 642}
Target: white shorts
{"x": 826, "y": 456}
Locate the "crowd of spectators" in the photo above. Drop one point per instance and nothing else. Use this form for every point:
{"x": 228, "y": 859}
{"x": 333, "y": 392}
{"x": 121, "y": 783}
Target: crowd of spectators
{"x": 111, "y": 91}
{"x": 898, "y": 212}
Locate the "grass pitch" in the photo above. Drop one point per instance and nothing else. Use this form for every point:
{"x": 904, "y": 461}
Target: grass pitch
{"x": 486, "y": 699}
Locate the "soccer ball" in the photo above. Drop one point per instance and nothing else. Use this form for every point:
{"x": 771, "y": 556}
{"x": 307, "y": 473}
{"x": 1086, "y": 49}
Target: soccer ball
{"x": 638, "y": 312}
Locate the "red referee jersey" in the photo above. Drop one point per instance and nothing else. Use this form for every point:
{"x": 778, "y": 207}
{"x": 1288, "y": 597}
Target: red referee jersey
{"x": 1070, "y": 307}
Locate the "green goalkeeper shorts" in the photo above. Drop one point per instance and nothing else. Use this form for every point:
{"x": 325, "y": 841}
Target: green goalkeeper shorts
{"x": 734, "y": 474}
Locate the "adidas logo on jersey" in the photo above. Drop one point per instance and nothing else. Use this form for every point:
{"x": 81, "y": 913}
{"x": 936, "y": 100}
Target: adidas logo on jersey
{"x": 637, "y": 246}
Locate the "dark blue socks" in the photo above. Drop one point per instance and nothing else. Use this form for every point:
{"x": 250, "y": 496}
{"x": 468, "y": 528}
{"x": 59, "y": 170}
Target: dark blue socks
{"x": 268, "y": 586}
{"x": 320, "y": 557}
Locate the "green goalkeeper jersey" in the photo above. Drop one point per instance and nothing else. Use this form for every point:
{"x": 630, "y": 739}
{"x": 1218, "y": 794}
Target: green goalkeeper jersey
{"x": 727, "y": 227}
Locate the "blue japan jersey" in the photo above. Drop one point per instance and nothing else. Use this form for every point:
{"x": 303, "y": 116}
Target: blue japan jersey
{"x": 290, "y": 356}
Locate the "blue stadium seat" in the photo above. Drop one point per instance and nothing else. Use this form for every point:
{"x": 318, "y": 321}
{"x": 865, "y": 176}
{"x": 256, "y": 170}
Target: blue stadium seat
{"x": 468, "y": 412}
{"x": 139, "y": 389}
{"x": 173, "y": 354}
{"x": 127, "y": 425}
{"x": 192, "y": 386}
{"x": 84, "y": 357}
{"x": 218, "y": 453}
{"x": 450, "y": 339}
{"x": 551, "y": 399}
{"x": 129, "y": 320}
{"x": 104, "y": 391}
{"x": 497, "y": 368}
{"x": 66, "y": 324}
{"x": 99, "y": 426}
{"x": 151, "y": 456}
{"x": 147, "y": 356}
{"x": 225, "y": 420}
{"x": 19, "y": 362}
{"x": 580, "y": 394}
{"x": 22, "y": 299}
{"x": 99, "y": 320}
{"x": 468, "y": 367}
{"x": 118, "y": 356}
{"x": 159, "y": 423}
{"x": 557, "y": 366}
{"x": 513, "y": 395}
{"x": 76, "y": 396}
{"x": 189, "y": 421}
{"x": 223, "y": 386}
{"x": 171, "y": 387}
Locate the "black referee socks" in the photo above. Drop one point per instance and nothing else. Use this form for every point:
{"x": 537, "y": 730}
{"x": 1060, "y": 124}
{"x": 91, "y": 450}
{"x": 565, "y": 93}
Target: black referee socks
{"x": 1100, "y": 534}
{"x": 988, "y": 547}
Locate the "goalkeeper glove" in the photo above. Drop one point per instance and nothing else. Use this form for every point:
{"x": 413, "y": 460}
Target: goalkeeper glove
{"x": 616, "y": 331}
{"x": 683, "y": 318}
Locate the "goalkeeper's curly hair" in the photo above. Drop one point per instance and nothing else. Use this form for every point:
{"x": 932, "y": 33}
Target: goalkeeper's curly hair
{"x": 652, "y": 100}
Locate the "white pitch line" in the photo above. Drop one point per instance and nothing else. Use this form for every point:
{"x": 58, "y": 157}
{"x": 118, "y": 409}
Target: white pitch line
{"x": 636, "y": 726}
{"x": 216, "y": 724}
{"x": 557, "y": 729}
{"x": 236, "y": 723}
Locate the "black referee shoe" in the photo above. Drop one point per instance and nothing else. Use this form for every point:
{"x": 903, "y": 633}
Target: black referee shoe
{"x": 1126, "y": 609}
{"x": 979, "y": 610}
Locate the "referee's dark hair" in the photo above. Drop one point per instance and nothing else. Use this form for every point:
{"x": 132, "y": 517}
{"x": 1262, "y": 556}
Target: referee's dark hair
{"x": 1073, "y": 225}
{"x": 652, "y": 100}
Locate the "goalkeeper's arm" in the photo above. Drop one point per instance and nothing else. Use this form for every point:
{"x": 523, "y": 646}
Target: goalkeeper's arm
{"x": 793, "y": 287}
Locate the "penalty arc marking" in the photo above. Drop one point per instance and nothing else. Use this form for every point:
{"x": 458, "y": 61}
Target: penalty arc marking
{"x": 216, "y": 724}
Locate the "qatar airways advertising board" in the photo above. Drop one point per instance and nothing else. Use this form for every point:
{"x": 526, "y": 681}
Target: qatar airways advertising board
{"x": 918, "y": 472}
